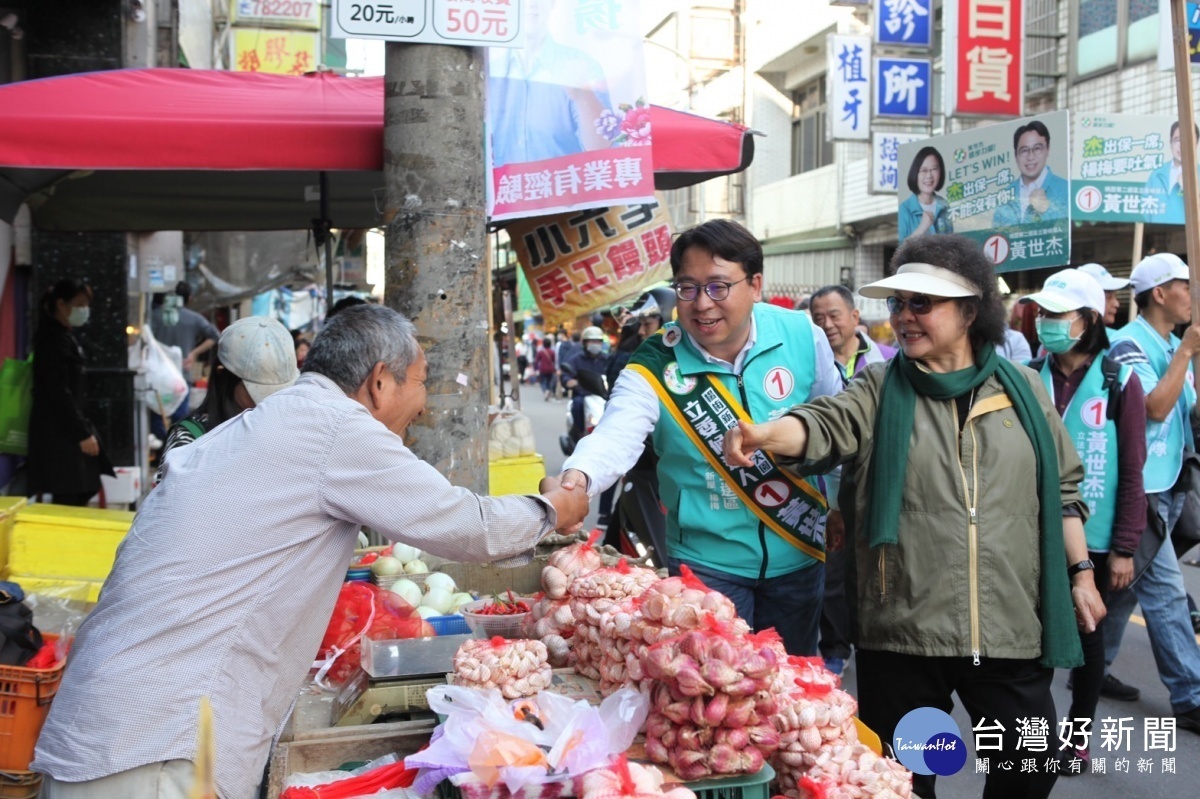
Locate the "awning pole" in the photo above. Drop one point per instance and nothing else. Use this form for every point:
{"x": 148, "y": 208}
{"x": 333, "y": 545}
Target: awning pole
{"x": 325, "y": 228}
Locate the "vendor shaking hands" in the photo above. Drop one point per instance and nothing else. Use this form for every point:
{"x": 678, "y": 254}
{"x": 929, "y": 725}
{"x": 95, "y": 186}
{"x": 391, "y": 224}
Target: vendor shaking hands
{"x": 226, "y": 581}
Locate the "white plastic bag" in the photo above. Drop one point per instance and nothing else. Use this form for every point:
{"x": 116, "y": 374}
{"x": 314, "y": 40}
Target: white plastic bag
{"x": 162, "y": 376}
{"x": 482, "y": 739}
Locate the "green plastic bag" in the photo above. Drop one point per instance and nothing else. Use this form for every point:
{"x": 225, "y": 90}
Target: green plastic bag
{"x": 16, "y": 400}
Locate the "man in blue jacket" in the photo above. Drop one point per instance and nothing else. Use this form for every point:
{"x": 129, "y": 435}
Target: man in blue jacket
{"x": 756, "y": 535}
{"x": 1039, "y": 195}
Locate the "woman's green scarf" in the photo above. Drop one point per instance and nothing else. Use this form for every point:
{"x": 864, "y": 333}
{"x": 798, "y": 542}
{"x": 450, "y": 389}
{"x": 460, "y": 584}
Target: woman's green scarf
{"x": 893, "y": 429}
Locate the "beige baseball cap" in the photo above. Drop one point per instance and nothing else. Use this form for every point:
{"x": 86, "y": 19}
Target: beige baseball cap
{"x": 260, "y": 351}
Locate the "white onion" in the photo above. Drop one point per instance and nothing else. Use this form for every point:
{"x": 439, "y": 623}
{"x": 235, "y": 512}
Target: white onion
{"x": 404, "y": 553}
{"x": 458, "y": 600}
{"x": 407, "y": 590}
{"x": 440, "y": 580}
{"x": 439, "y": 599}
{"x": 426, "y": 612}
{"x": 386, "y": 566}
{"x": 415, "y": 567}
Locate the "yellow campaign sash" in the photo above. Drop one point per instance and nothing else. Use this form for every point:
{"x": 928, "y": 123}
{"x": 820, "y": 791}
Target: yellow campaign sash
{"x": 705, "y": 410}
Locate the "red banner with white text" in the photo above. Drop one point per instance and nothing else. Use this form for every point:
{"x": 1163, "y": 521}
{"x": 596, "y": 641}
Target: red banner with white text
{"x": 985, "y": 56}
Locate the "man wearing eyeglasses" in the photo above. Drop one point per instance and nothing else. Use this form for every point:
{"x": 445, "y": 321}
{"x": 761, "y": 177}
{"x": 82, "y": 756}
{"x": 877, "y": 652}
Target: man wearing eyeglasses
{"x": 1038, "y": 194}
{"x": 757, "y": 535}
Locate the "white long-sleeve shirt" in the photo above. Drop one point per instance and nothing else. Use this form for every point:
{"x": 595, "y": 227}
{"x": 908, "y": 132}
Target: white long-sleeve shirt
{"x": 225, "y": 583}
{"x": 633, "y": 409}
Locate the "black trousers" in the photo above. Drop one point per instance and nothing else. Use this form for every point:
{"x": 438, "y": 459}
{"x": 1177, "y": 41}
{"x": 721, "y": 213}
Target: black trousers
{"x": 1087, "y": 679}
{"x": 891, "y": 684}
{"x": 835, "y": 610}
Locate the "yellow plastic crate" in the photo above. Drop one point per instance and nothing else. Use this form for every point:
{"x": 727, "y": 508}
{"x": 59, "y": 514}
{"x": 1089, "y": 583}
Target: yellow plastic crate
{"x": 67, "y": 543}
{"x": 515, "y": 475}
{"x": 8, "y": 511}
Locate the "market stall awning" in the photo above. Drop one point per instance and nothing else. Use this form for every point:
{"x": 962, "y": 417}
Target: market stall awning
{"x": 179, "y": 149}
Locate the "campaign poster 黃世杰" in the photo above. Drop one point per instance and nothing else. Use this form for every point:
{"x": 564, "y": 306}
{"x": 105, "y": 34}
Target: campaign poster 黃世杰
{"x": 1005, "y": 185}
{"x": 1127, "y": 168}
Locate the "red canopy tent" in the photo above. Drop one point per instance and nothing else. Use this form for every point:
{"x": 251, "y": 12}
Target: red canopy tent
{"x": 180, "y": 149}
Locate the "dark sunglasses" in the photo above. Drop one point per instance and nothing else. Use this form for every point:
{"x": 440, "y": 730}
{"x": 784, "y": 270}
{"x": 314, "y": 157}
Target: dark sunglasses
{"x": 920, "y": 304}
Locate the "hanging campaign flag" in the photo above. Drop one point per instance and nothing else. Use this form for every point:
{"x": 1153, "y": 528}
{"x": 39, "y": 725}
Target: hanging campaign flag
{"x": 903, "y": 87}
{"x": 885, "y": 161}
{"x": 904, "y": 23}
{"x": 985, "y": 57}
{"x": 568, "y": 121}
{"x": 1127, "y": 168}
{"x": 1003, "y": 185}
{"x": 850, "y": 85}
{"x": 579, "y": 262}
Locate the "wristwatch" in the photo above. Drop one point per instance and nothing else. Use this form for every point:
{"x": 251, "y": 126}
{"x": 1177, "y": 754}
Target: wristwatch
{"x": 1081, "y": 566}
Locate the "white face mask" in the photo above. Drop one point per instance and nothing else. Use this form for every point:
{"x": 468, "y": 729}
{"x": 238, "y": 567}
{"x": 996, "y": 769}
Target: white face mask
{"x": 79, "y": 316}
{"x": 594, "y": 348}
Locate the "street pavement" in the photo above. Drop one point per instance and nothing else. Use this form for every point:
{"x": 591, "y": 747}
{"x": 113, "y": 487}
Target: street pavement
{"x": 1135, "y": 666}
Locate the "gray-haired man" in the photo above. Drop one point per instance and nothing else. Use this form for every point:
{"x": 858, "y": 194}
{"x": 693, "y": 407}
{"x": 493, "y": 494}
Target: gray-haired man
{"x": 226, "y": 581}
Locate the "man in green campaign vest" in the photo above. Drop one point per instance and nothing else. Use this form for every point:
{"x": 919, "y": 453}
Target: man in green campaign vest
{"x": 1162, "y": 362}
{"x": 757, "y": 535}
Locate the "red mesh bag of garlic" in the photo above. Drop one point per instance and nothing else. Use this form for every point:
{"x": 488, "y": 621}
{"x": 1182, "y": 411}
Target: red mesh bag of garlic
{"x": 815, "y": 722}
{"x": 550, "y": 619}
{"x": 665, "y": 609}
{"x": 515, "y": 667}
{"x": 594, "y": 596}
{"x": 625, "y": 780}
{"x": 711, "y": 709}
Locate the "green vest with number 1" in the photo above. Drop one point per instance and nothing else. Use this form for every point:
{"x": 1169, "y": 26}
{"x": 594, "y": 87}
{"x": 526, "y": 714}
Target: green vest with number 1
{"x": 1095, "y": 438}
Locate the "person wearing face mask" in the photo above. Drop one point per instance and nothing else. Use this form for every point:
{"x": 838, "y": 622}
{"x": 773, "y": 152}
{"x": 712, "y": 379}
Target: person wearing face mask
{"x": 65, "y": 455}
{"x": 1104, "y": 409}
{"x": 589, "y": 358}
{"x": 225, "y": 583}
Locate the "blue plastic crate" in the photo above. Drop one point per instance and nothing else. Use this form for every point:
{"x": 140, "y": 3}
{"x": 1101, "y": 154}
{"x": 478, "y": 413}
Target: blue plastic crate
{"x": 449, "y": 625}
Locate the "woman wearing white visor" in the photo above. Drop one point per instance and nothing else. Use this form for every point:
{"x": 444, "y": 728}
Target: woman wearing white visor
{"x": 965, "y": 513}
{"x": 1104, "y": 409}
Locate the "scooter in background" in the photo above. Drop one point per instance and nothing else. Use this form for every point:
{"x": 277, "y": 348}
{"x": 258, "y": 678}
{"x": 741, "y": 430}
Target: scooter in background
{"x": 593, "y": 408}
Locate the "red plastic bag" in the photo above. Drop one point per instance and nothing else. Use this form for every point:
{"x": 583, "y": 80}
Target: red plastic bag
{"x": 364, "y": 609}
{"x": 393, "y": 775}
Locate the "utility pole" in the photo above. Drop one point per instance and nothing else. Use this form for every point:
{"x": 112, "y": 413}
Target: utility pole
{"x": 436, "y": 244}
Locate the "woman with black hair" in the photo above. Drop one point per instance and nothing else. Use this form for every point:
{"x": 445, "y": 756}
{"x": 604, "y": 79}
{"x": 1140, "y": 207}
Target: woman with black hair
{"x": 961, "y": 495}
{"x": 925, "y": 211}
{"x": 1104, "y": 409}
{"x": 65, "y": 456}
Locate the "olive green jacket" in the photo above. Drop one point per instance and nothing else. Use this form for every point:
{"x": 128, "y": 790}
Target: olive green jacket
{"x": 963, "y": 578}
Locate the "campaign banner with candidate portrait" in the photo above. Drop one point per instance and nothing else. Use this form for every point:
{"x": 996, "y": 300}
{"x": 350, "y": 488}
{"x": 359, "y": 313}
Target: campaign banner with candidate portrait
{"x": 1127, "y": 168}
{"x": 579, "y": 262}
{"x": 1004, "y": 185}
{"x": 568, "y": 121}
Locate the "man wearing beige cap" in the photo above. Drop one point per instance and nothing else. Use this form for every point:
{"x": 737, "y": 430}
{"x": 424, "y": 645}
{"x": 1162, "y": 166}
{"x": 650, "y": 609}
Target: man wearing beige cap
{"x": 1162, "y": 362}
{"x": 227, "y": 579}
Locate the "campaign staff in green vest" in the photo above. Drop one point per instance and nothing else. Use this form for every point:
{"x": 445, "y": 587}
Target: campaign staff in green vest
{"x": 1111, "y": 285}
{"x": 1163, "y": 362}
{"x": 960, "y": 493}
{"x": 755, "y": 534}
{"x": 1104, "y": 410}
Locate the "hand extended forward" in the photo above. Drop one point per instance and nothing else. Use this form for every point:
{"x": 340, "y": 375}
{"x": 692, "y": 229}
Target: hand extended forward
{"x": 785, "y": 436}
